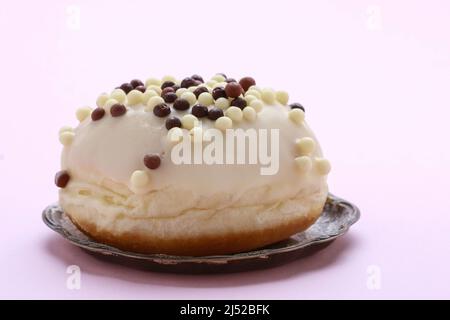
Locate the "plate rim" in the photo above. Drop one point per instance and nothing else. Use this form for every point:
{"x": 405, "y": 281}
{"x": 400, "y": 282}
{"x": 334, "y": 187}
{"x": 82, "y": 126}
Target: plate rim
{"x": 264, "y": 253}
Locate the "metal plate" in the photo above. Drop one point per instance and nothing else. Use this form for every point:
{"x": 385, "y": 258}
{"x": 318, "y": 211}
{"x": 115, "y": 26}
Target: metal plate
{"x": 337, "y": 217}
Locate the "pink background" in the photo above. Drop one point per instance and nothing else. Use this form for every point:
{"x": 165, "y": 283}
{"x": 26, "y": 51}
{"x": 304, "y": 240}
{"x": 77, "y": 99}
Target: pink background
{"x": 376, "y": 85}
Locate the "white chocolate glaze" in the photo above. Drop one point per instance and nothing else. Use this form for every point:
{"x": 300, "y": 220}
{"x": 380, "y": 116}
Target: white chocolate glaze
{"x": 113, "y": 148}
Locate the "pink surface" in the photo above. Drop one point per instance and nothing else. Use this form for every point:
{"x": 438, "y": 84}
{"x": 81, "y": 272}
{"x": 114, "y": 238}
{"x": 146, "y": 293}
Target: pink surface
{"x": 374, "y": 77}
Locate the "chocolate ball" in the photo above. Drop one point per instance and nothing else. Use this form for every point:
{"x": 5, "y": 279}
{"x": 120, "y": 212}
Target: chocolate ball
{"x": 172, "y": 122}
{"x": 239, "y": 102}
{"x": 215, "y": 113}
{"x": 117, "y": 110}
{"x": 161, "y": 110}
{"x": 126, "y": 87}
{"x": 62, "y": 178}
{"x": 200, "y": 111}
{"x": 297, "y": 105}
{"x": 170, "y": 97}
{"x": 219, "y": 92}
{"x": 233, "y": 90}
{"x": 197, "y": 77}
{"x": 181, "y": 104}
{"x": 152, "y": 161}
{"x": 97, "y": 114}
{"x": 136, "y": 83}
{"x": 140, "y": 88}
{"x": 200, "y": 90}
{"x": 167, "y": 84}
{"x": 247, "y": 82}
{"x": 167, "y": 90}
{"x": 228, "y": 80}
{"x": 187, "y": 82}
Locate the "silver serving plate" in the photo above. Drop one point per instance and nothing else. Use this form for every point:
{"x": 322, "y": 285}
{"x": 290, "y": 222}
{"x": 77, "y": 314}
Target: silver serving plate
{"x": 337, "y": 217}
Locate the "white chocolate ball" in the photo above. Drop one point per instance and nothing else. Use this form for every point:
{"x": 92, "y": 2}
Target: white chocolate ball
{"x": 139, "y": 179}
{"x": 249, "y": 99}
{"x": 206, "y": 99}
{"x": 169, "y": 78}
{"x": 109, "y": 104}
{"x": 257, "y": 105}
{"x": 296, "y": 115}
{"x": 83, "y": 113}
{"x": 234, "y": 113}
{"x": 304, "y": 163}
{"x": 211, "y": 83}
{"x": 101, "y": 100}
{"x": 305, "y": 146}
{"x": 282, "y": 97}
{"x": 65, "y": 128}
{"x": 223, "y": 123}
{"x": 218, "y": 78}
{"x": 152, "y": 81}
{"x": 152, "y": 102}
{"x": 147, "y": 95}
{"x": 322, "y": 166}
{"x": 249, "y": 114}
{"x": 189, "y": 121}
{"x": 134, "y": 97}
{"x": 157, "y": 89}
{"x": 268, "y": 96}
{"x": 190, "y": 97}
{"x": 180, "y": 91}
{"x": 253, "y": 93}
{"x": 119, "y": 95}
{"x": 66, "y": 137}
{"x": 255, "y": 87}
{"x": 220, "y": 84}
{"x": 222, "y": 103}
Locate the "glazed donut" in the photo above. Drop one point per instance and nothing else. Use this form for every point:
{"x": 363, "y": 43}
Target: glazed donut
{"x": 192, "y": 168}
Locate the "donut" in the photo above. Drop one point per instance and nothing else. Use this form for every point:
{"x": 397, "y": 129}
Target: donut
{"x": 191, "y": 168}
